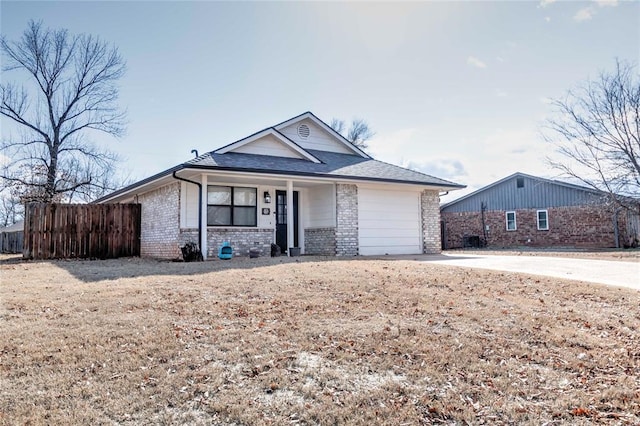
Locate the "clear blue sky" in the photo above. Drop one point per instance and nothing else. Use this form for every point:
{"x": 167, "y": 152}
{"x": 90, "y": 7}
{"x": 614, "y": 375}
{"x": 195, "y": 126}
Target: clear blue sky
{"x": 454, "y": 89}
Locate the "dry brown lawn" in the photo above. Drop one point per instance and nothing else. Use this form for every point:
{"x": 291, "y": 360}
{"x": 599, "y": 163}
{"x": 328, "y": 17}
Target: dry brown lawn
{"x": 311, "y": 341}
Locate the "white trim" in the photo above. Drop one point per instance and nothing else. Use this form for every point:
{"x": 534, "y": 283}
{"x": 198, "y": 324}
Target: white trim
{"x": 290, "y": 221}
{"x": 320, "y": 179}
{"x": 274, "y": 177}
{"x": 515, "y": 221}
{"x": 546, "y": 219}
{"x": 270, "y": 131}
{"x": 325, "y": 127}
{"x": 204, "y": 191}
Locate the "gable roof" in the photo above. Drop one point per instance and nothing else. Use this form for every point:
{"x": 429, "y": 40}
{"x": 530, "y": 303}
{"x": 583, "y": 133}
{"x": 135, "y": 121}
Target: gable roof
{"x": 333, "y": 164}
{"x": 312, "y": 163}
{"x": 517, "y": 175}
{"x": 268, "y": 131}
{"x": 341, "y": 139}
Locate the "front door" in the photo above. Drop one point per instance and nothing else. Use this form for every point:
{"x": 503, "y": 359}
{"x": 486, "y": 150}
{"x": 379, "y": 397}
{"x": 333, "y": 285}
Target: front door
{"x": 281, "y": 219}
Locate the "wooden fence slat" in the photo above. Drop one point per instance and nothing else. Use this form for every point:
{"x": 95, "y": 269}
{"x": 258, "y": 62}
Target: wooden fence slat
{"x": 81, "y": 231}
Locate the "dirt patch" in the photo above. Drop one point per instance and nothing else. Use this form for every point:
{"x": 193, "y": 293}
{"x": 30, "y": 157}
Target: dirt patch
{"x": 311, "y": 341}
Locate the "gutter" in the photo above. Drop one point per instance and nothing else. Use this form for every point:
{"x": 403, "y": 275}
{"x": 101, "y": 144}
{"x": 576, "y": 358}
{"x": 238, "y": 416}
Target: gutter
{"x": 452, "y": 186}
{"x": 199, "y": 204}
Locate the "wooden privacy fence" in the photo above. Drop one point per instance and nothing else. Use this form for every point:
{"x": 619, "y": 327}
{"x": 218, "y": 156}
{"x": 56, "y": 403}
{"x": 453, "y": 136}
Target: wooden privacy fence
{"x": 11, "y": 242}
{"x": 101, "y": 231}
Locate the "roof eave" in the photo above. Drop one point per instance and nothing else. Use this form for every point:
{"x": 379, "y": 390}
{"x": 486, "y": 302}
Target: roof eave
{"x": 446, "y": 186}
{"x": 128, "y": 189}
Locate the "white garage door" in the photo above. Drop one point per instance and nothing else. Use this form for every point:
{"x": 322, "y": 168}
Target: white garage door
{"x": 389, "y": 222}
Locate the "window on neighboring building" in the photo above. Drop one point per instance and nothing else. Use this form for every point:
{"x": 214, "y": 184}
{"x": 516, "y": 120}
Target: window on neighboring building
{"x": 511, "y": 221}
{"x": 543, "y": 220}
{"x": 231, "y": 206}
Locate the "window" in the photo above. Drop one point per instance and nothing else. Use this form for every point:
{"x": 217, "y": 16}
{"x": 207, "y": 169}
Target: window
{"x": 543, "y": 220}
{"x": 520, "y": 182}
{"x": 511, "y": 221}
{"x": 231, "y": 206}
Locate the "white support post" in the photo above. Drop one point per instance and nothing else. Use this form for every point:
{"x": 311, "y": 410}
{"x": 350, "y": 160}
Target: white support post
{"x": 290, "y": 224}
{"x": 203, "y": 217}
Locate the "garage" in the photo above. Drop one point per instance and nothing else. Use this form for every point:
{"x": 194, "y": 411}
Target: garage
{"x": 389, "y": 222}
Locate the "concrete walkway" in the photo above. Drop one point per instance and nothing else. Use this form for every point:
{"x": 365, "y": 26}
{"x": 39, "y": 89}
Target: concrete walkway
{"x": 623, "y": 274}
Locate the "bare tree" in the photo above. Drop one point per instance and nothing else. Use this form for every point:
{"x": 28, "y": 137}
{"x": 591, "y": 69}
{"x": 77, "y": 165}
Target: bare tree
{"x": 337, "y": 125}
{"x": 358, "y": 132}
{"x": 69, "y": 90}
{"x": 11, "y": 209}
{"x": 596, "y": 129}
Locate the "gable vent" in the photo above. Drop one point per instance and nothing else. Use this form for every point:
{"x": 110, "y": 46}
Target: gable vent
{"x": 303, "y": 131}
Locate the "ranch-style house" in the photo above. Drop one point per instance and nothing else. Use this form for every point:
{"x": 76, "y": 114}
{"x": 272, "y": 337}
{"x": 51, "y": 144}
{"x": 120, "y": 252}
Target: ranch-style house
{"x": 298, "y": 184}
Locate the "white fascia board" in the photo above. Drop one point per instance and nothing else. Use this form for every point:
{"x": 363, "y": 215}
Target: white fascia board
{"x": 265, "y": 132}
{"x": 139, "y": 189}
{"x": 324, "y": 179}
{"x": 147, "y": 186}
{"x": 327, "y": 128}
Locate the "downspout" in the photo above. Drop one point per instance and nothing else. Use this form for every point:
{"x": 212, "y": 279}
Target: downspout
{"x": 483, "y": 209}
{"x": 199, "y": 203}
{"x": 616, "y": 227}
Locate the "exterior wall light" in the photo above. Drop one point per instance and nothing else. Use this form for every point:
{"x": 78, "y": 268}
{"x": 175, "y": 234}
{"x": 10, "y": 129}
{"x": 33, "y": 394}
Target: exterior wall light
{"x": 267, "y": 197}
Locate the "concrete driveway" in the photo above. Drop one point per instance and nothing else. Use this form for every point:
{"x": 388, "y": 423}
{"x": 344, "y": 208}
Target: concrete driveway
{"x": 623, "y": 274}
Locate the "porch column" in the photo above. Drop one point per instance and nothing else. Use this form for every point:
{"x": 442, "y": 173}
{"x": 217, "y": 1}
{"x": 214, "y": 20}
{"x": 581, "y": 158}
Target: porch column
{"x": 290, "y": 224}
{"x": 203, "y": 217}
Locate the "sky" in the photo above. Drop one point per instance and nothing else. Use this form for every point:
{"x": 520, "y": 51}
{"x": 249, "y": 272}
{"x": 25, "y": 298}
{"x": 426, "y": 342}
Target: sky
{"x": 457, "y": 90}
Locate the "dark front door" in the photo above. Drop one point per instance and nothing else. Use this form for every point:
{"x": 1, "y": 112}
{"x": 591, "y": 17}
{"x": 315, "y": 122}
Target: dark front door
{"x": 281, "y": 219}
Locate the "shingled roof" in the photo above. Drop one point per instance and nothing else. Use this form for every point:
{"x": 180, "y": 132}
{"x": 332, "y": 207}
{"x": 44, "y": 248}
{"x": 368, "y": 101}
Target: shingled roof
{"x": 357, "y": 166}
{"x": 332, "y": 164}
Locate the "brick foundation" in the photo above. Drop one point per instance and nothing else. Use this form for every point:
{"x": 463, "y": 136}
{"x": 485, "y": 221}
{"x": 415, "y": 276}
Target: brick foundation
{"x": 320, "y": 241}
{"x": 579, "y": 227}
{"x": 241, "y": 240}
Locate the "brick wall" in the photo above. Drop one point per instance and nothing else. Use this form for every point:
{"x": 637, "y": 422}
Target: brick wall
{"x": 580, "y": 227}
{"x": 241, "y": 240}
{"x": 320, "y": 241}
{"x": 160, "y": 222}
{"x": 188, "y": 235}
{"x": 346, "y": 220}
{"x": 430, "y": 201}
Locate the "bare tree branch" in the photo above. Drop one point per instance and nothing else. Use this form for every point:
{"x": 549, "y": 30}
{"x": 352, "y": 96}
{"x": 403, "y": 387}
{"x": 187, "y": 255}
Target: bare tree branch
{"x": 337, "y": 125}
{"x": 595, "y": 130}
{"x": 358, "y": 133}
{"x": 71, "y": 92}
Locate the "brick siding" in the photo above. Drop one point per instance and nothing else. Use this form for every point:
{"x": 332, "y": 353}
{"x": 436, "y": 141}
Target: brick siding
{"x": 161, "y": 236}
{"x": 320, "y": 241}
{"x": 430, "y": 202}
{"x": 160, "y": 222}
{"x": 579, "y": 227}
{"x": 347, "y": 220}
{"x": 240, "y": 239}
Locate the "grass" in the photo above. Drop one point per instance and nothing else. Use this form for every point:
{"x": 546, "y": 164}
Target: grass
{"x": 311, "y": 341}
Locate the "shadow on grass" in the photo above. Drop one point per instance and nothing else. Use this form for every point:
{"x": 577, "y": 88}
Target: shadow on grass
{"x": 135, "y": 267}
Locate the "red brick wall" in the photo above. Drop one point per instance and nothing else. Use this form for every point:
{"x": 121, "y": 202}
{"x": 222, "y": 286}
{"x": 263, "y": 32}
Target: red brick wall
{"x": 583, "y": 226}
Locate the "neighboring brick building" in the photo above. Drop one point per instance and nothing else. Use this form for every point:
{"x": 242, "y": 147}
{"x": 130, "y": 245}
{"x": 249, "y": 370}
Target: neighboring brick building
{"x": 298, "y": 184}
{"x": 522, "y": 210}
